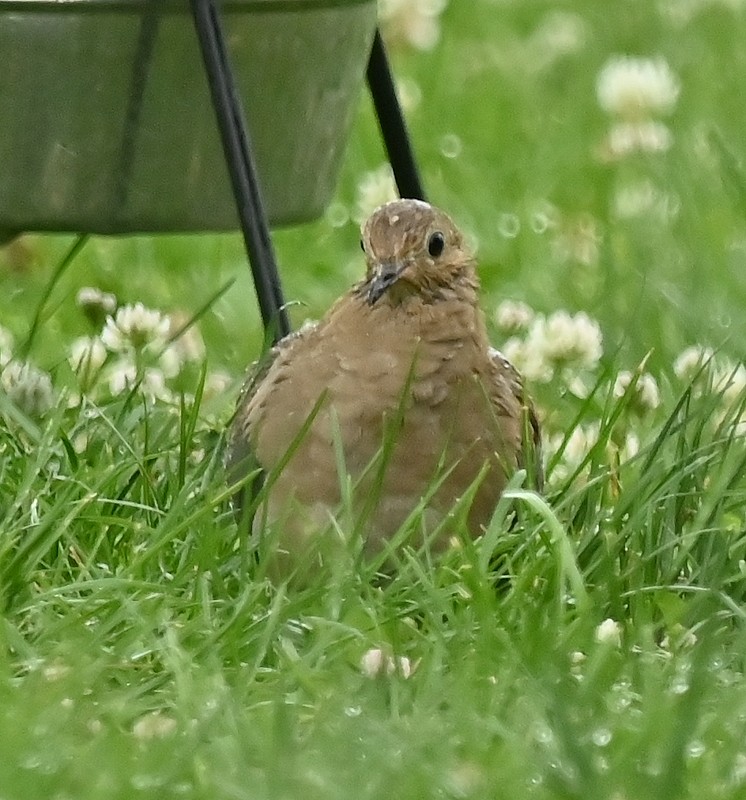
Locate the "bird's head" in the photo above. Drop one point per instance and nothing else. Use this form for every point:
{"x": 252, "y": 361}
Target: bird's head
{"x": 413, "y": 248}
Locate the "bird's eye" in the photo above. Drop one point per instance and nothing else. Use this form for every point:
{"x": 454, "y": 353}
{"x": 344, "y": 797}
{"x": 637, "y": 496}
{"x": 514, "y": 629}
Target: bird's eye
{"x": 435, "y": 244}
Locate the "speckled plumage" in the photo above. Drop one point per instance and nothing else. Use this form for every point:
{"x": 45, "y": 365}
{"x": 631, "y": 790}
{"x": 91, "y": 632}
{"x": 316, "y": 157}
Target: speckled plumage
{"x": 403, "y": 357}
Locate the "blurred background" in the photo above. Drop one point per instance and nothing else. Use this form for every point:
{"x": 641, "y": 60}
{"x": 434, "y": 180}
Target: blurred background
{"x": 633, "y": 213}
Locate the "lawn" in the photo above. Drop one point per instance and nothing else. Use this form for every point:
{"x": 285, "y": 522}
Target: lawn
{"x": 592, "y": 644}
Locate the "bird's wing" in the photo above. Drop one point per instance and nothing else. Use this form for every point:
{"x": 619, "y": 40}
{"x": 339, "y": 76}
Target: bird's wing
{"x": 530, "y": 455}
{"x": 241, "y": 459}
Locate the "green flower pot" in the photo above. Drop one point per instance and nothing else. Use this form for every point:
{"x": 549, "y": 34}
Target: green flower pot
{"x": 95, "y": 138}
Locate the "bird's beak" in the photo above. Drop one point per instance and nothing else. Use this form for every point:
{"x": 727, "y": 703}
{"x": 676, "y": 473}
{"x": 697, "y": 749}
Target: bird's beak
{"x": 384, "y": 277}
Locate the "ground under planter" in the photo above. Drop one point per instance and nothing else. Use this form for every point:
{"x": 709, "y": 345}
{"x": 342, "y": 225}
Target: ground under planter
{"x": 106, "y": 122}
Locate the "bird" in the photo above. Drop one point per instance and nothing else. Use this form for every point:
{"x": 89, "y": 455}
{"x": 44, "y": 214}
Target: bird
{"x": 394, "y": 404}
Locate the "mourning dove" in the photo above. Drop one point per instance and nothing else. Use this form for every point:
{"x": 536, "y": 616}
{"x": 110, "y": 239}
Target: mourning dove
{"x": 397, "y": 388}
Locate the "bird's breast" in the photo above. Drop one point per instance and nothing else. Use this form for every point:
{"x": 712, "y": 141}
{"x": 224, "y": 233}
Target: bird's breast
{"x": 393, "y": 405}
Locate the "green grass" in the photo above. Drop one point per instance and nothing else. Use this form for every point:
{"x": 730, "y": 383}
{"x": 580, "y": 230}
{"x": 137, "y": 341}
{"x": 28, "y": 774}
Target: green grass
{"x": 142, "y": 653}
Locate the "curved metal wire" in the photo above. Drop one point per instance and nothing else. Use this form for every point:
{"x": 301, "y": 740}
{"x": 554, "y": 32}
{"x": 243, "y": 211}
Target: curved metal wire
{"x": 392, "y": 124}
{"x": 241, "y": 168}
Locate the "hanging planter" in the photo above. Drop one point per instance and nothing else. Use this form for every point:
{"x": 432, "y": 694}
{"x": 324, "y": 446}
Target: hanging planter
{"x": 106, "y": 121}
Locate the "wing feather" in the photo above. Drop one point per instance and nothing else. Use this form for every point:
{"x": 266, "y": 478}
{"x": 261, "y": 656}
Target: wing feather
{"x": 530, "y": 454}
{"x": 241, "y": 460}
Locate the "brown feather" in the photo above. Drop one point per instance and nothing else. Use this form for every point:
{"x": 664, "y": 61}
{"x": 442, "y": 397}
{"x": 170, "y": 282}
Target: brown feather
{"x": 415, "y": 356}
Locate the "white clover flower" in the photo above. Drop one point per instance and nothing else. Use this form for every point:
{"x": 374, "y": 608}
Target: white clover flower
{"x": 681, "y": 12}
{"x": 91, "y": 298}
{"x": 153, "y": 385}
{"x": 28, "y": 387}
{"x": 577, "y": 662}
{"x": 646, "y": 393}
{"x": 55, "y": 671}
{"x": 375, "y": 662}
{"x": 122, "y": 376}
{"x": 630, "y": 448}
{"x": 561, "y": 342}
{"x": 635, "y": 88}
{"x": 559, "y": 33}
{"x": 80, "y": 443}
{"x": 719, "y": 376}
{"x": 609, "y": 632}
{"x": 737, "y": 775}
{"x": 636, "y": 199}
{"x": 644, "y": 199}
{"x": 729, "y": 380}
{"x": 578, "y": 239}
{"x": 375, "y": 188}
{"x": 738, "y": 426}
{"x": 408, "y": 93}
{"x": 645, "y": 136}
{"x": 216, "y": 383}
{"x": 463, "y": 779}
{"x": 580, "y": 385}
{"x": 149, "y": 382}
{"x": 513, "y": 316}
{"x": 580, "y": 442}
{"x": 413, "y": 22}
{"x": 690, "y": 362}
{"x": 6, "y": 346}
{"x": 154, "y": 725}
{"x": 528, "y": 358}
{"x": 189, "y": 344}
{"x": 135, "y": 327}
{"x": 577, "y": 657}
{"x": 727, "y": 377}
{"x": 569, "y": 339}
{"x": 170, "y": 361}
{"x": 679, "y": 638}
{"x": 87, "y": 355}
